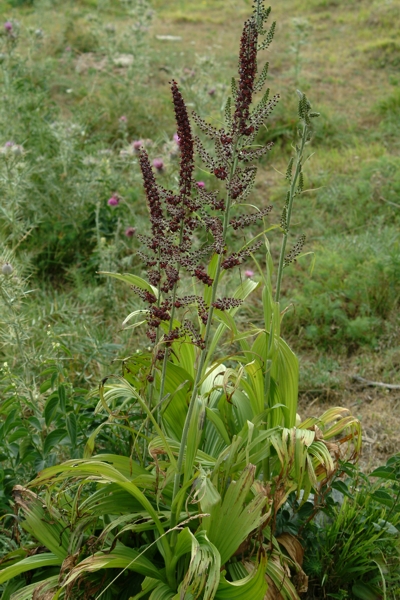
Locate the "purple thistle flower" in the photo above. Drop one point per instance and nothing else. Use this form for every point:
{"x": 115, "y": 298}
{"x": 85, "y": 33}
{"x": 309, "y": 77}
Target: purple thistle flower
{"x": 249, "y": 273}
{"x": 9, "y": 144}
{"x": 137, "y": 144}
{"x": 158, "y": 164}
{"x": 211, "y": 91}
{"x": 130, "y": 231}
{"x": 177, "y": 139}
{"x": 200, "y": 184}
{"x": 123, "y": 119}
{"x": 8, "y": 26}
{"x": 113, "y": 201}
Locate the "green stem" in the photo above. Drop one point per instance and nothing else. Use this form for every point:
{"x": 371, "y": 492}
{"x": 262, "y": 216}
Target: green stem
{"x": 203, "y": 355}
{"x": 170, "y": 327}
{"x": 292, "y": 193}
{"x": 152, "y": 385}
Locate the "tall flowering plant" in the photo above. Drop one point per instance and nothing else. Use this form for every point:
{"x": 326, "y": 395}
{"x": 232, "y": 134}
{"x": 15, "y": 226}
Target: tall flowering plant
{"x": 215, "y": 451}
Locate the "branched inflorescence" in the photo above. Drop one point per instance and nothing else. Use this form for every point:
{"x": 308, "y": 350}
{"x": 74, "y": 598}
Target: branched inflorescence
{"x": 179, "y": 219}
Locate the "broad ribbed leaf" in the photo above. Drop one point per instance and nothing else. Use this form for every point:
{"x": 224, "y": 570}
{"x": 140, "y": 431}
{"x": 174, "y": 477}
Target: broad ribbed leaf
{"x": 124, "y": 464}
{"x": 196, "y": 427}
{"x": 162, "y": 592}
{"x": 157, "y": 444}
{"x": 148, "y": 584}
{"x": 278, "y": 575}
{"x": 183, "y": 543}
{"x": 132, "y": 280}
{"x": 47, "y": 585}
{"x": 47, "y": 527}
{"x": 203, "y": 573}
{"x": 233, "y": 519}
{"x": 177, "y": 385}
{"x": 255, "y": 386}
{"x": 185, "y": 353}
{"x": 103, "y": 472}
{"x": 283, "y": 377}
{"x": 29, "y": 564}
{"x": 110, "y": 500}
{"x": 253, "y": 587}
{"x": 241, "y": 293}
{"x": 214, "y": 418}
{"x": 120, "y": 557}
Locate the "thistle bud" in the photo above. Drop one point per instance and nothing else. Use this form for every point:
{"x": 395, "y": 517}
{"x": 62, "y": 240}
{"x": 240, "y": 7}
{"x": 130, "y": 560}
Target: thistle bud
{"x": 7, "y": 269}
{"x": 130, "y": 231}
{"x": 113, "y": 201}
{"x": 158, "y": 164}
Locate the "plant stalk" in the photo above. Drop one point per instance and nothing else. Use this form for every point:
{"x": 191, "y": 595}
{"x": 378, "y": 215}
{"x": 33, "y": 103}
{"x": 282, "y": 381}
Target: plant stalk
{"x": 203, "y": 354}
{"x": 292, "y": 194}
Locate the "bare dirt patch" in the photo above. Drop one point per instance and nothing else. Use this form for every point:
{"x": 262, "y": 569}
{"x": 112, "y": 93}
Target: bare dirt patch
{"x": 378, "y": 409}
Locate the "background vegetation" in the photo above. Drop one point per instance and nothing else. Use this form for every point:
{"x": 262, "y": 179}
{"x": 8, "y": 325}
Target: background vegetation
{"x": 72, "y": 70}
{"x": 81, "y": 81}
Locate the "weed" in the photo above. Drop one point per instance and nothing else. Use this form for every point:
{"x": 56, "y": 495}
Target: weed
{"x": 353, "y": 549}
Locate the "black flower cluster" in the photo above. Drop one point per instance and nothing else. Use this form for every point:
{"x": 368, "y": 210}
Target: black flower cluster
{"x": 179, "y": 219}
{"x": 247, "y": 75}
{"x": 295, "y": 251}
{"x": 174, "y": 219}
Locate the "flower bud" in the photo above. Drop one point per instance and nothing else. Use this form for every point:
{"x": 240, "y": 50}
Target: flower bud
{"x": 130, "y": 231}
{"x": 137, "y": 144}
{"x": 113, "y": 201}
{"x": 158, "y": 164}
{"x": 7, "y": 269}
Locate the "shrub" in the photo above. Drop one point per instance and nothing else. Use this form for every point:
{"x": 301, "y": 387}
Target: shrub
{"x": 352, "y": 294}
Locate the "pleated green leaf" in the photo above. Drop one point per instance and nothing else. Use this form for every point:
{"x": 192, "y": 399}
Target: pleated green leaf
{"x": 253, "y": 587}
{"x": 277, "y": 573}
{"x": 203, "y": 573}
{"x": 178, "y": 382}
{"x": 132, "y": 280}
{"x": 162, "y": 592}
{"x": 47, "y": 585}
{"x": 30, "y": 564}
{"x": 241, "y": 293}
{"x": 120, "y": 557}
{"x": 47, "y": 527}
{"x": 233, "y": 519}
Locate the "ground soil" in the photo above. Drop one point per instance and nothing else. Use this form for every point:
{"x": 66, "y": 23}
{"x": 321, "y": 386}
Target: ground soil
{"x": 377, "y": 408}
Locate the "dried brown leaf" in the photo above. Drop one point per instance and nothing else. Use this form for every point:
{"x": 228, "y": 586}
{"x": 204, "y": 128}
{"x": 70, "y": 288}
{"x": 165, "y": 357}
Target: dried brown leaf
{"x": 292, "y": 547}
